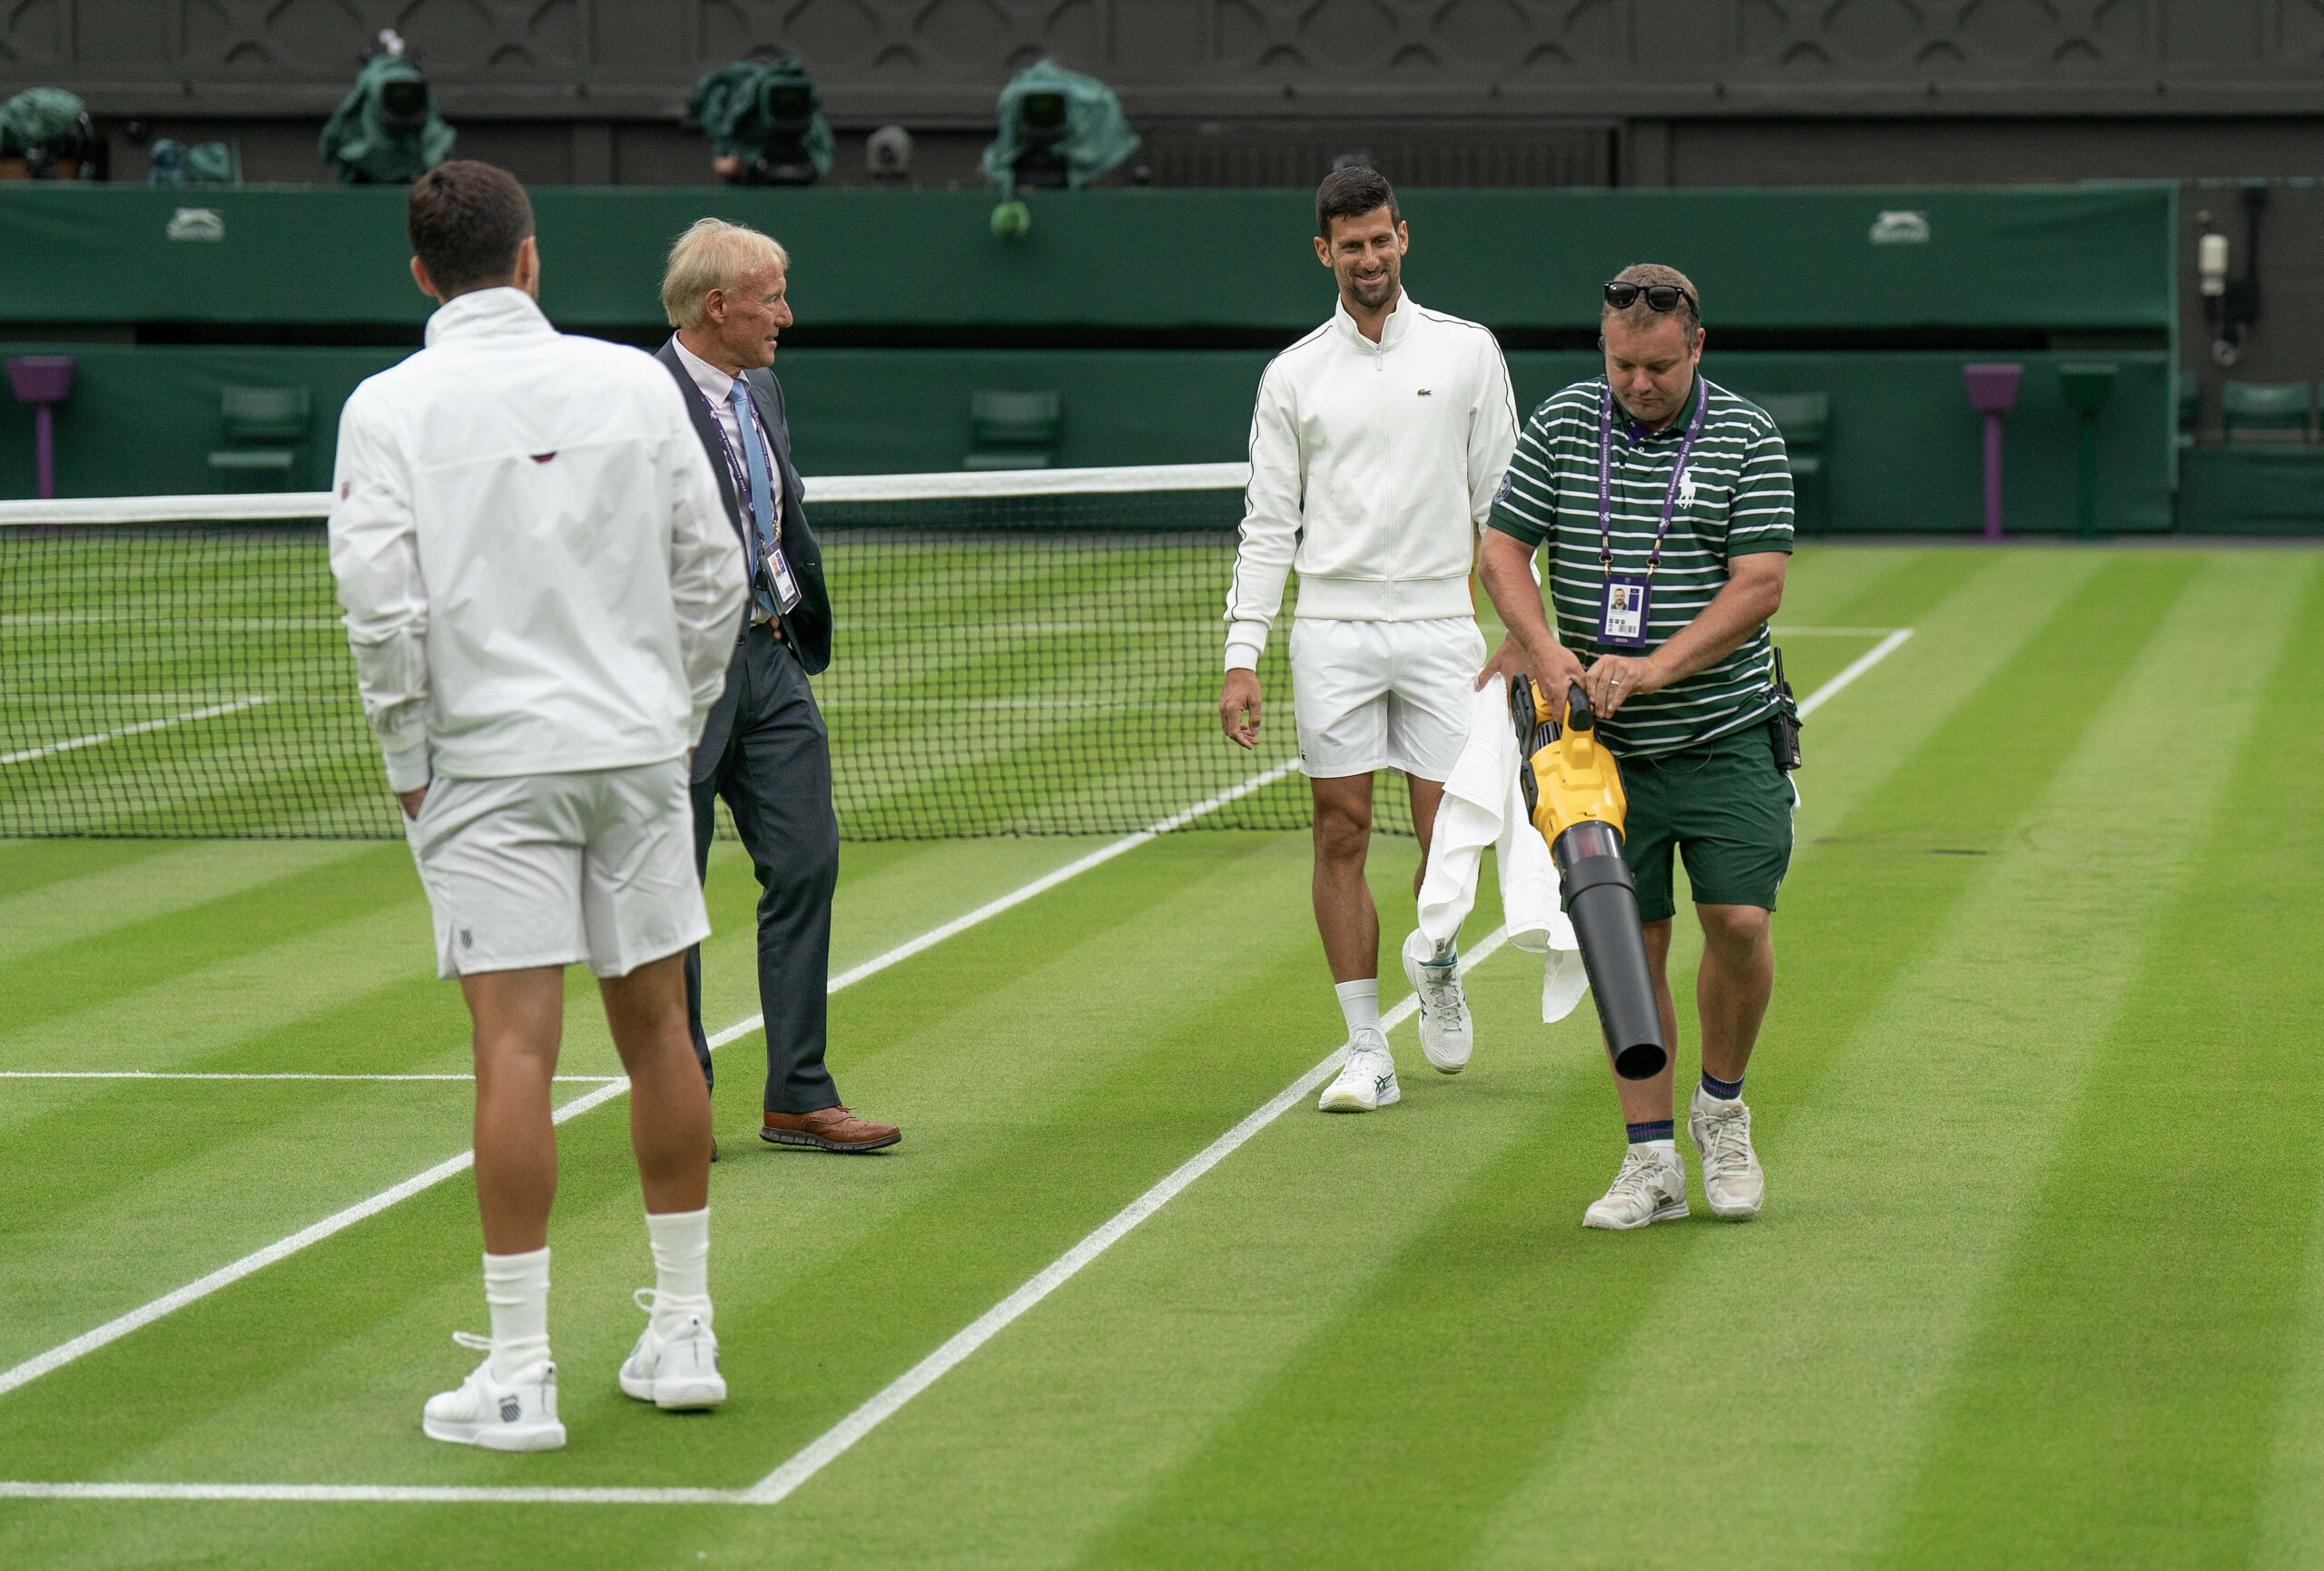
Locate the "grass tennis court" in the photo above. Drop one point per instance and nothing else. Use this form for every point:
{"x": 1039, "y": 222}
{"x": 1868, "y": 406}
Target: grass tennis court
{"x": 2040, "y": 1281}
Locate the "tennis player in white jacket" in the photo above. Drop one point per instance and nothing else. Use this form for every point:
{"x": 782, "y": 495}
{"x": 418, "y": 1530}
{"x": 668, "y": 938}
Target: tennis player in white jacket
{"x": 1376, "y": 446}
{"x": 542, "y": 591}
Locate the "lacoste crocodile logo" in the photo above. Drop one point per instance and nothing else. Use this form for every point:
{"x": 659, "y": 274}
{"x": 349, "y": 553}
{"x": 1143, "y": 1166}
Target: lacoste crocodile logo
{"x": 1425, "y": 392}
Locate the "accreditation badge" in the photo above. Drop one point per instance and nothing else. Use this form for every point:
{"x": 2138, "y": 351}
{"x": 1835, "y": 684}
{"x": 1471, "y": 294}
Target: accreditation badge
{"x": 779, "y": 575}
{"x": 1622, "y": 615}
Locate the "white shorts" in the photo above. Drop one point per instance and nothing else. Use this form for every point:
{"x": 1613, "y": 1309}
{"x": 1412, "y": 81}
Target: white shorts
{"x": 549, "y": 870}
{"x": 1372, "y": 695}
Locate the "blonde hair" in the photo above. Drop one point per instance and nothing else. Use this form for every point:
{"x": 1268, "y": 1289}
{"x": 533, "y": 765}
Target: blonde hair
{"x": 713, "y": 255}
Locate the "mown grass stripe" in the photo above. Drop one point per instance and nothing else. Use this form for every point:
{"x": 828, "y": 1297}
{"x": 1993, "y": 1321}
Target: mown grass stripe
{"x": 1485, "y": 1383}
{"x": 2119, "y": 1400}
{"x": 123, "y": 1325}
{"x": 167, "y": 879}
{"x": 1900, "y": 1161}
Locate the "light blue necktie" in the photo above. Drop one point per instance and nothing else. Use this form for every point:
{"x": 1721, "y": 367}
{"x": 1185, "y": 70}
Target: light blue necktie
{"x": 761, "y": 497}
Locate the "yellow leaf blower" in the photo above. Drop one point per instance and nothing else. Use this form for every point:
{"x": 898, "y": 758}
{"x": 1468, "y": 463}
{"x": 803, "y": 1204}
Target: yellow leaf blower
{"x": 1573, "y": 791}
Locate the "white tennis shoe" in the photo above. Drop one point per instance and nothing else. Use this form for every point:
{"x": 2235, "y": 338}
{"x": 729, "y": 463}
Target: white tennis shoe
{"x": 521, "y": 1416}
{"x": 677, "y": 1372}
{"x": 1652, "y": 1187}
{"x": 1733, "y": 1185}
{"x": 1367, "y": 1081}
{"x": 1446, "y": 1036}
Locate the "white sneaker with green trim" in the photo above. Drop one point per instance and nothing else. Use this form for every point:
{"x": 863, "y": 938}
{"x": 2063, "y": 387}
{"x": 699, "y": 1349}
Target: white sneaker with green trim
{"x": 1733, "y": 1185}
{"x": 1652, "y": 1187}
{"x": 1446, "y": 1036}
{"x": 1368, "y": 1079}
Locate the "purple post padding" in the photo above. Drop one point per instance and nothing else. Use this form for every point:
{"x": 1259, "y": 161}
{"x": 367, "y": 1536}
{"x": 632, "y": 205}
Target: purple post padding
{"x": 41, "y": 379}
{"x": 1992, "y": 474}
{"x": 1992, "y": 388}
{"x": 1993, "y": 392}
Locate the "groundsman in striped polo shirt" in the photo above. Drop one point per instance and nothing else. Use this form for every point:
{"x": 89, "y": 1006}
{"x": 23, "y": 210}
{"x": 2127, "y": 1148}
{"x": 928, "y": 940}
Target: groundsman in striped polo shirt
{"x": 1686, "y": 701}
{"x": 1734, "y": 501}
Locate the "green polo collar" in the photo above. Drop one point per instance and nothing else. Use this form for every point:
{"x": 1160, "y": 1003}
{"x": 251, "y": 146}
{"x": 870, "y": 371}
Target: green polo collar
{"x": 1676, "y": 427}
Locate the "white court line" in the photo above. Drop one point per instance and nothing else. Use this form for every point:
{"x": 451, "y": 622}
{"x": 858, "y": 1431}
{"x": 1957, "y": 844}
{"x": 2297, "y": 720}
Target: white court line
{"x": 113, "y": 1330}
{"x": 370, "y": 1494}
{"x": 1854, "y": 668}
{"x": 820, "y": 1452}
{"x": 1832, "y": 632}
{"x": 203, "y": 1075}
{"x": 833, "y": 1442}
{"x": 104, "y": 736}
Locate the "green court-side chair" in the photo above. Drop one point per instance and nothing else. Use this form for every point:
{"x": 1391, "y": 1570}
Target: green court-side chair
{"x": 1805, "y": 421}
{"x": 2265, "y": 411}
{"x": 266, "y": 432}
{"x": 1013, "y": 430}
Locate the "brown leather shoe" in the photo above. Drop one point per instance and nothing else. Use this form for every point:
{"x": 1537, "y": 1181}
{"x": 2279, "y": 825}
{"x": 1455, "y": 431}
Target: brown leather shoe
{"x": 828, "y": 1129}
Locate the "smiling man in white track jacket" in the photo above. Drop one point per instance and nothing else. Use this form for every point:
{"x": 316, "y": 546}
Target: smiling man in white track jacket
{"x": 541, "y": 591}
{"x": 1376, "y": 446}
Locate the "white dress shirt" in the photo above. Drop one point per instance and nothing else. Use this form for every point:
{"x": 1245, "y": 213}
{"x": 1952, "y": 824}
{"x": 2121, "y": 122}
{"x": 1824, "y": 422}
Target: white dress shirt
{"x": 717, "y": 389}
{"x": 538, "y": 574}
{"x": 1372, "y": 468}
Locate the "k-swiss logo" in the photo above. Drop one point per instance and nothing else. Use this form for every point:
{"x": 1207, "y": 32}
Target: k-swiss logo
{"x": 511, "y": 1409}
{"x": 542, "y": 458}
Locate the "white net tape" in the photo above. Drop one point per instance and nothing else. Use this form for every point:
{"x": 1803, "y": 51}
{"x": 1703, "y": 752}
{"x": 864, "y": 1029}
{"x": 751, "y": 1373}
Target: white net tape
{"x": 252, "y": 506}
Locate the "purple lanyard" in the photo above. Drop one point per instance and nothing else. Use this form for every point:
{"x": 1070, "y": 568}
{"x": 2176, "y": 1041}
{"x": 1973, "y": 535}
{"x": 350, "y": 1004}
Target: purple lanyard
{"x": 1605, "y": 483}
{"x": 742, "y": 471}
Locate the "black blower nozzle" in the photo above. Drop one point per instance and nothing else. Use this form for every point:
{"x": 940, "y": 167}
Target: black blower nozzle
{"x": 1573, "y": 789}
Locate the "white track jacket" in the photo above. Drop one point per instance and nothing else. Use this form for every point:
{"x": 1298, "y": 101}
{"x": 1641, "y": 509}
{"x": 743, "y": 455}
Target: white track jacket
{"x": 538, "y": 574}
{"x": 1372, "y": 468}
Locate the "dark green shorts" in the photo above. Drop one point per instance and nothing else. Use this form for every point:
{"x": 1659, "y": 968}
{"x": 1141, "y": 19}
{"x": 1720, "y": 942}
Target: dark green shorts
{"x": 1725, "y": 806}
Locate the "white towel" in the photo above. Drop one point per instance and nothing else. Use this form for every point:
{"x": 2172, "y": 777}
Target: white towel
{"x": 1484, "y": 806}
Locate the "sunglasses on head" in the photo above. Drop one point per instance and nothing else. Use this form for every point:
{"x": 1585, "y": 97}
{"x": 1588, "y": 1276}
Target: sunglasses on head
{"x": 1658, "y": 296}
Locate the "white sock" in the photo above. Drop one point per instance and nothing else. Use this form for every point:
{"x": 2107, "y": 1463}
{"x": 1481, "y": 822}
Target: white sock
{"x": 516, "y": 1288}
{"x": 680, "y": 1244}
{"x": 1360, "y": 1002}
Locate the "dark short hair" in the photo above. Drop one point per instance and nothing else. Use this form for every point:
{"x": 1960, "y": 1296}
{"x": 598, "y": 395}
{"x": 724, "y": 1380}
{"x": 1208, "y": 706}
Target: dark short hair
{"x": 1352, "y": 192}
{"x": 467, "y": 221}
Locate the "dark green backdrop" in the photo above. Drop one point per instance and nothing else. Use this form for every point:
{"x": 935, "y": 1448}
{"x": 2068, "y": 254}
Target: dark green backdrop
{"x": 2047, "y": 258}
{"x": 1902, "y": 453}
{"x": 2091, "y": 264}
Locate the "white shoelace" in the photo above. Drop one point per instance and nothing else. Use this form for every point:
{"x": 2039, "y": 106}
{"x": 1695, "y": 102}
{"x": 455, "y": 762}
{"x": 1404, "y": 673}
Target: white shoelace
{"x": 1730, "y": 1147}
{"x": 1637, "y": 1177}
{"x": 1444, "y": 998}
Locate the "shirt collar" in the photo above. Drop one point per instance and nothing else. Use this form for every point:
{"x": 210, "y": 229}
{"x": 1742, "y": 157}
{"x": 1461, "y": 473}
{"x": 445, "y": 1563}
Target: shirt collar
{"x": 502, "y": 310}
{"x": 1393, "y": 329}
{"x": 1634, "y": 430}
{"x": 717, "y": 386}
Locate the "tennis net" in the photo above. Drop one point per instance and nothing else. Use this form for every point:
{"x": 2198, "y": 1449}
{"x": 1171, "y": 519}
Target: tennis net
{"x": 1026, "y": 652}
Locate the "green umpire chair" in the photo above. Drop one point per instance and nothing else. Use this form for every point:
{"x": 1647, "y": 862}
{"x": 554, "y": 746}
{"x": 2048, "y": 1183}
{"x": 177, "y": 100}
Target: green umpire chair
{"x": 266, "y": 432}
{"x": 2265, "y": 411}
{"x": 1806, "y": 420}
{"x": 1013, "y": 430}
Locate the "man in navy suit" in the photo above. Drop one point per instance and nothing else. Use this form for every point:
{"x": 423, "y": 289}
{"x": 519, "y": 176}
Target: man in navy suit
{"x": 765, "y": 748}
